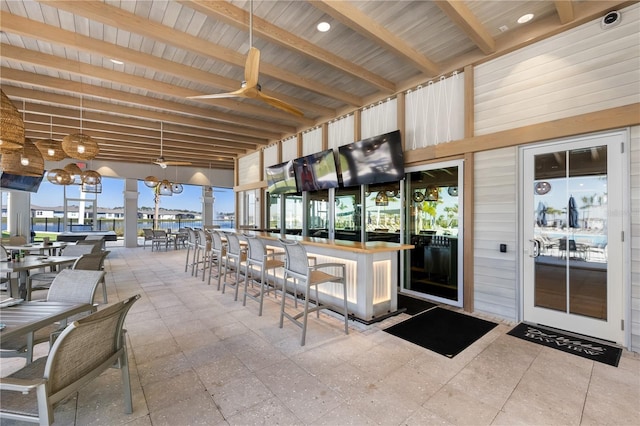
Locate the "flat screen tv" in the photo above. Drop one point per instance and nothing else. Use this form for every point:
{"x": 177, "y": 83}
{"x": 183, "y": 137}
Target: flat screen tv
{"x": 316, "y": 171}
{"x": 19, "y": 182}
{"x": 281, "y": 178}
{"x": 377, "y": 159}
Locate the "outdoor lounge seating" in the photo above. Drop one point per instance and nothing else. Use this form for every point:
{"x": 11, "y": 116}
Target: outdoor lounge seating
{"x": 83, "y": 351}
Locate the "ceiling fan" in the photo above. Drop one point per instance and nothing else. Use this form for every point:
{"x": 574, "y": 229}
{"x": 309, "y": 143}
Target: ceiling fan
{"x": 160, "y": 161}
{"x": 250, "y": 88}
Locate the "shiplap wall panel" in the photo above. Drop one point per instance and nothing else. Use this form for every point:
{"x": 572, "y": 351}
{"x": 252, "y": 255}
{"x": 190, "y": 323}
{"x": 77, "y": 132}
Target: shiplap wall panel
{"x": 312, "y": 141}
{"x": 582, "y": 70}
{"x": 341, "y": 132}
{"x": 495, "y": 222}
{"x": 635, "y": 238}
{"x": 249, "y": 169}
{"x": 290, "y": 149}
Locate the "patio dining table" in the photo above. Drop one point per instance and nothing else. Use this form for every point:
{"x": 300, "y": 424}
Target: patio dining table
{"x": 51, "y": 249}
{"x": 22, "y": 268}
{"x": 23, "y": 318}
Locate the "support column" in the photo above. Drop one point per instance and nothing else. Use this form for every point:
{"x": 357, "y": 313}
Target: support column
{"x": 131, "y": 213}
{"x": 207, "y": 206}
{"x": 19, "y": 214}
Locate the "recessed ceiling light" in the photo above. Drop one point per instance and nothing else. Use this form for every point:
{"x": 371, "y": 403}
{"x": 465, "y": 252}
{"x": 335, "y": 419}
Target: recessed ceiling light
{"x": 525, "y": 18}
{"x": 323, "y": 27}
{"x": 117, "y": 62}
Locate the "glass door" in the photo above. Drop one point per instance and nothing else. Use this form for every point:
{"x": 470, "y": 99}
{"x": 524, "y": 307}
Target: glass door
{"x": 573, "y": 271}
{"x": 433, "y": 208}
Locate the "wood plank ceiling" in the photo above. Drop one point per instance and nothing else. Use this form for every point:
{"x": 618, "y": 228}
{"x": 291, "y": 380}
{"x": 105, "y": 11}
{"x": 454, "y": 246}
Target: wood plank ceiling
{"x": 56, "y": 64}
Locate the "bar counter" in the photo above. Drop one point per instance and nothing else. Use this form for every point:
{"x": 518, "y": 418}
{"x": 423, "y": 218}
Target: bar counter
{"x": 371, "y": 268}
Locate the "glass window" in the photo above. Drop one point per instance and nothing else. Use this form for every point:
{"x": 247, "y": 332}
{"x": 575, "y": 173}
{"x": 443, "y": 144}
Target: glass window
{"x": 318, "y": 214}
{"x": 348, "y": 216}
{"x": 383, "y": 209}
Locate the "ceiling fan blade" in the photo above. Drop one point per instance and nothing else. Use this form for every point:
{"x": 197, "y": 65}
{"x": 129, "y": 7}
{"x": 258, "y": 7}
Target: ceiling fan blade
{"x": 178, "y": 163}
{"x": 240, "y": 93}
{"x": 277, "y": 103}
{"x": 252, "y": 67}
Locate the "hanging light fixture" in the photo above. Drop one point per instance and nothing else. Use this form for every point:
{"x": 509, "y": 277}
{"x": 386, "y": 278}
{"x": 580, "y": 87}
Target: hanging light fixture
{"x": 59, "y": 177}
{"x": 79, "y": 145}
{"x": 75, "y": 172}
{"x": 382, "y": 199}
{"x": 432, "y": 193}
{"x": 151, "y": 181}
{"x": 51, "y": 150}
{"x": 177, "y": 188}
{"x": 11, "y": 125}
{"x": 164, "y": 188}
{"x": 90, "y": 177}
{"x": 25, "y": 162}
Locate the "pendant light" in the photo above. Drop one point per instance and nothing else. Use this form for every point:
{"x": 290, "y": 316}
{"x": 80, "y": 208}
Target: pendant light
{"x": 51, "y": 150}
{"x": 79, "y": 145}
{"x": 151, "y": 181}
{"x": 59, "y": 177}
{"x": 165, "y": 188}
{"x": 76, "y": 173}
{"x": 382, "y": 199}
{"x": 11, "y": 125}
{"x": 24, "y": 162}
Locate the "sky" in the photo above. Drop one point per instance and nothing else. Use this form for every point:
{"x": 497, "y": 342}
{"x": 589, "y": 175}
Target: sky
{"x": 50, "y": 195}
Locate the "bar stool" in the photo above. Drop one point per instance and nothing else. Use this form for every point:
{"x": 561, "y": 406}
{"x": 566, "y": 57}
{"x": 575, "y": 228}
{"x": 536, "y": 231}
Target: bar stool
{"x": 234, "y": 260}
{"x": 297, "y": 267}
{"x": 203, "y": 248}
{"x": 192, "y": 240}
{"x": 218, "y": 252}
{"x": 259, "y": 259}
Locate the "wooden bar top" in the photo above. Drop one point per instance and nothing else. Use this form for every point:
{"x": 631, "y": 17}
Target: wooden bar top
{"x": 353, "y": 246}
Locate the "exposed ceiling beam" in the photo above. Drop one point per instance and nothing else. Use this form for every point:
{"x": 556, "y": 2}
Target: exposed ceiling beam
{"x": 564, "y": 8}
{"x": 119, "y": 18}
{"x": 460, "y": 14}
{"x": 235, "y": 16}
{"x": 352, "y": 17}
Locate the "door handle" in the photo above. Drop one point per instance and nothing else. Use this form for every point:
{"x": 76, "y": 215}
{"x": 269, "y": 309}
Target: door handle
{"x": 536, "y": 248}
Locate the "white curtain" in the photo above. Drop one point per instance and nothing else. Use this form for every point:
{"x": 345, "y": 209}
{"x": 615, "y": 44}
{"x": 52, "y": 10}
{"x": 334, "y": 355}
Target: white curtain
{"x": 380, "y": 118}
{"x": 312, "y": 141}
{"x": 341, "y": 131}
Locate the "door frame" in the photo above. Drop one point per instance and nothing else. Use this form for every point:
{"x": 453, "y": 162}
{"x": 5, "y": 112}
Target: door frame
{"x": 624, "y": 217}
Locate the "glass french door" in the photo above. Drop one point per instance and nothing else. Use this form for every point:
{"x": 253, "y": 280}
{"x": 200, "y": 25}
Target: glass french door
{"x": 573, "y": 277}
{"x": 433, "y": 208}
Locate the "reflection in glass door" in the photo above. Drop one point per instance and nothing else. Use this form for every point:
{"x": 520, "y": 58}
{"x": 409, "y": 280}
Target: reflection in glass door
{"x": 569, "y": 281}
{"x": 434, "y": 228}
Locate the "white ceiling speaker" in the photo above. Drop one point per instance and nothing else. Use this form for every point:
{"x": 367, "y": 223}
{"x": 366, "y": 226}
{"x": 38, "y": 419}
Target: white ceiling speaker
{"x": 610, "y": 20}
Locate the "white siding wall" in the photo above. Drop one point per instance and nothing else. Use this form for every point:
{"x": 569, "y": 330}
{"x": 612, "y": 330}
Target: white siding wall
{"x": 583, "y": 70}
{"x": 249, "y": 169}
{"x": 495, "y": 222}
{"x": 635, "y": 238}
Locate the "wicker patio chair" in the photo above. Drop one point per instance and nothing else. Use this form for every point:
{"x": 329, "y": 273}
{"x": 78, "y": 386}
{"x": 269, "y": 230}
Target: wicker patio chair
{"x": 83, "y": 351}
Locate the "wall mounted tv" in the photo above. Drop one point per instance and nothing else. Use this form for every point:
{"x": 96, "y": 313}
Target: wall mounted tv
{"x": 19, "y": 182}
{"x": 281, "y": 178}
{"x": 377, "y": 159}
{"x": 316, "y": 171}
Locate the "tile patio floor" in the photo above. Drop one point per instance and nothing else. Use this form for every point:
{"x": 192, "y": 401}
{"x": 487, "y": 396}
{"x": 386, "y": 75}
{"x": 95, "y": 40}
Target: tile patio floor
{"x": 199, "y": 358}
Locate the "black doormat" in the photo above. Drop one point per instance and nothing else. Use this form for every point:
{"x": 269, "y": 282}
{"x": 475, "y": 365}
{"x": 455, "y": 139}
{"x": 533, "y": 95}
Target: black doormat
{"x": 441, "y": 330}
{"x": 413, "y": 306}
{"x": 569, "y": 343}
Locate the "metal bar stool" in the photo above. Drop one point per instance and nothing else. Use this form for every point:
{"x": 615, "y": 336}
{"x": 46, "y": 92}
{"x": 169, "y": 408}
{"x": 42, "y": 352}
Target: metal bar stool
{"x": 297, "y": 267}
{"x": 191, "y": 246}
{"x": 217, "y": 255}
{"x": 260, "y": 261}
{"x": 203, "y": 248}
{"x": 234, "y": 260}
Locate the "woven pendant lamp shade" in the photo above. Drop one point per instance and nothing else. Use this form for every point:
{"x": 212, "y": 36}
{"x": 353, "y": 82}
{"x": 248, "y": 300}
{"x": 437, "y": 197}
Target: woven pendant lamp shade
{"x": 164, "y": 188}
{"x": 90, "y": 177}
{"x": 25, "y": 162}
{"x": 59, "y": 177}
{"x": 80, "y": 146}
{"x": 11, "y": 126}
{"x": 51, "y": 150}
{"x": 75, "y": 172}
{"x": 177, "y": 188}
{"x": 151, "y": 181}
